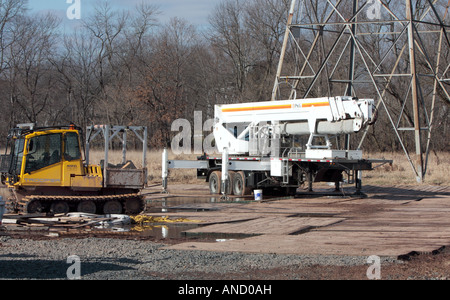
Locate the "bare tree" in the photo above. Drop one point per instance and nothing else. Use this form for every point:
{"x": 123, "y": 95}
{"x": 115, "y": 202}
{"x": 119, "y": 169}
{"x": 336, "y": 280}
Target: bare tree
{"x": 30, "y": 72}
{"x": 119, "y": 36}
{"x": 266, "y": 20}
{"x": 231, "y": 35}
{"x": 124, "y": 67}
{"x": 77, "y": 65}
{"x": 9, "y": 10}
{"x": 165, "y": 90}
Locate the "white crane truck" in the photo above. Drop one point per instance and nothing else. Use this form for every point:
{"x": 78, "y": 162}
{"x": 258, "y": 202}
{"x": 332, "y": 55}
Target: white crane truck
{"x": 282, "y": 145}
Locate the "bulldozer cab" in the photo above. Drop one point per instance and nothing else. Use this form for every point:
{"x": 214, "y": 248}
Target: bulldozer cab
{"x": 32, "y": 151}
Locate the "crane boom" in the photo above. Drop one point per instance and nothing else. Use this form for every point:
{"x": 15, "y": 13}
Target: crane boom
{"x": 238, "y": 125}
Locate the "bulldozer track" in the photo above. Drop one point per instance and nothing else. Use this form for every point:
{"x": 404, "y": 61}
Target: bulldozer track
{"x": 109, "y": 204}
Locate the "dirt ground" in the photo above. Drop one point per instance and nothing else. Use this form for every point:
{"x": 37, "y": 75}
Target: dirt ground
{"x": 416, "y": 266}
{"x": 421, "y": 267}
{"x": 429, "y": 266}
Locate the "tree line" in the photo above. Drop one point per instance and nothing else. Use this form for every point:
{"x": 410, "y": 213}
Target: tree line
{"x": 126, "y": 67}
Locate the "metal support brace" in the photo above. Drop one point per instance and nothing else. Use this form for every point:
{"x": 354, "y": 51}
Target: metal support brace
{"x": 358, "y": 182}
{"x": 165, "y": 170}
{"x": 310, "y": 181}
{"x": 120, "y": 132}
{"x": 225, "y": 174}
{"x": 286, "y": 172}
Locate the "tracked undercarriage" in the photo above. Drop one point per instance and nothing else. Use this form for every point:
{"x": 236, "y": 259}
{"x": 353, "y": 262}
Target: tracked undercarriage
{"x": 130, "y": 203}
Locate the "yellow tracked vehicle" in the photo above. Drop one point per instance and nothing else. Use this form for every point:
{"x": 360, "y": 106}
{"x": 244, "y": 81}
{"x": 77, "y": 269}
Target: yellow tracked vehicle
{"x": 47, "y": 173}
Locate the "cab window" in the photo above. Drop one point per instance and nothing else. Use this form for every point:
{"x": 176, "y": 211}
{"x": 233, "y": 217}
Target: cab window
{"x": 18, "y": 156}
{"x": 43, "y": 151}
{"x": 71, "y": 147}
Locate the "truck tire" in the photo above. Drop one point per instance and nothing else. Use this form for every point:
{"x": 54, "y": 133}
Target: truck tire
{"x": 59, "y": 207}
{"x": 112, "y": 207}
{"x": 215, "y": 183}
{"x": 87, "y": 207}
{"x": 239, "y": 186}
{"x": 231, "y": 176}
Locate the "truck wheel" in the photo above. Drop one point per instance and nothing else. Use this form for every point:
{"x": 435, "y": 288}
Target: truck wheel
{"x": 291, "y": 191}
{"x": 59, "y": 207}
{"x": 215, "y": 182}
{"x": 35, "y": 207}
{"x": 239, "y": 187}
{"x": 87, "y": 207}
{"x": 231, "y": 176}
{"x": 134, "y": 206}
{"x": 112, "y": 208}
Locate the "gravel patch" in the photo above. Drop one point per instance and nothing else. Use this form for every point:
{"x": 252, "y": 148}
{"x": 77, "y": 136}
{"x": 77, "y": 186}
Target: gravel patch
{"x": 120, "y": 259}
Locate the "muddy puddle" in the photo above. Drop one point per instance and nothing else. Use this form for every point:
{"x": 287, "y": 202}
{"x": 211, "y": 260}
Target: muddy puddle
{"x": 157, "y": 231}
{"x": 164, "y": 225}
{"x": 181, "y": 204}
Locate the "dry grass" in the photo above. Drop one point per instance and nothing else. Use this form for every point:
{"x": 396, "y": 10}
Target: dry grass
{"x": 154, "y": 165}
{"x": 401, "y": 172}
{"x": 175, "y": 176}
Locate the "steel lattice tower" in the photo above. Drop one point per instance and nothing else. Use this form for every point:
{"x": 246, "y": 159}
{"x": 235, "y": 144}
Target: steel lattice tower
{"x": 376, "y": 49}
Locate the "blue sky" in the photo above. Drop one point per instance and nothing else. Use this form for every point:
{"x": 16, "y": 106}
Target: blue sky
{"x": 195, "y": 12}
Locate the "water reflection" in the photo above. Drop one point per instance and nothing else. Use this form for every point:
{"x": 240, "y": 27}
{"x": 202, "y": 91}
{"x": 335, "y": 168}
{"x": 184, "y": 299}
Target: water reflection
{"x": 173, "y": 204}
{"x": 179, "y": 204}
{"x": 165, "y": 227}
{"x": 171, "y": 231}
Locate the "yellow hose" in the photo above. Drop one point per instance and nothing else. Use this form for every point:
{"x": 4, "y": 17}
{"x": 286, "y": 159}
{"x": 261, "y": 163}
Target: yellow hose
{"x": 142, "y": 220}
{"x": 143, "y": 223}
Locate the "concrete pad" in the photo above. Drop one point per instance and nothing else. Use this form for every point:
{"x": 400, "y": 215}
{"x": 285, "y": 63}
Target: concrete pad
{"x": 389, "y": 225}
{"x": 268, "y": 225}
{"x": 323, "y": 243}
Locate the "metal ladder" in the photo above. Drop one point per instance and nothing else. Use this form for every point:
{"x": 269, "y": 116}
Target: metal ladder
{"x": 285, "y": 172}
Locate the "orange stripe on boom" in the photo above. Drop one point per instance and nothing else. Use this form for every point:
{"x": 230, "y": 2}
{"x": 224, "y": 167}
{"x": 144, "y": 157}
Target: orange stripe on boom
{"x": 256, "y": 108}
{"x": 317, "y": 104}
{"x": 271, "y": 107}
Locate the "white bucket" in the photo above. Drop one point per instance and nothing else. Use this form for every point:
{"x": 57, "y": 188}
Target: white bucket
{"x": 2, "y": 209}
{"x": 258, "y": 195}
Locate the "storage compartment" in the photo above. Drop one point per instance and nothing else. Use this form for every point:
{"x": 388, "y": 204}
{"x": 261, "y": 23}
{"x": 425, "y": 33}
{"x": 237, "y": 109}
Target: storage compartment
{"x": 125, "y": 178}
{"x": 334, "y": 154}
{"x": 325, "y": 154}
